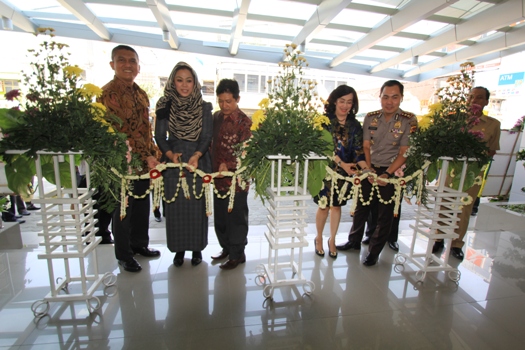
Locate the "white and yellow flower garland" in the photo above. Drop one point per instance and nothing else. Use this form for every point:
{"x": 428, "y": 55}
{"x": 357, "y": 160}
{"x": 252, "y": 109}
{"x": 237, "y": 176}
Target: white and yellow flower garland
{"x": 157, "y": 186}
{"x": 356, "y": 192}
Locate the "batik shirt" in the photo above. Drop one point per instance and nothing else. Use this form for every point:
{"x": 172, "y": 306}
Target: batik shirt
{"x": 228, "y": 131}
{"x": 130, "y": 103}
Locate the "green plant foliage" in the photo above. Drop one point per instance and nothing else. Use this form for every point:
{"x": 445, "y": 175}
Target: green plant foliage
{"x": 58, "y": 114}
{"x": 288, "y": 124}
{"x": 445, "y": 132}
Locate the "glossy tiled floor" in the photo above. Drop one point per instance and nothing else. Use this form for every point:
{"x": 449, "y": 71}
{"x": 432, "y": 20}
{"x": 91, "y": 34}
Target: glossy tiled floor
{"x": 203, "y": 307}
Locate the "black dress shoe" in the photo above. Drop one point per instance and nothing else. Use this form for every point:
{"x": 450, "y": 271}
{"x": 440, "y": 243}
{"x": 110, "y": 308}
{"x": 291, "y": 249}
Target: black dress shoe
{"x": 222, "y": 255}
{"x": 370, "y": 260}
{"x": 233, "y": 263}
{"x": 145, "y": 251}
{"x": 394, "y": 246}
{"x": 196, "y": 258}
{"x": 349, "y": 245}
{"x": 31, "y": 206}
{"x": 130, "y": 265}
{"x": 158, "y": 219}
{"x": 17, "y": 217}
{"x": 178, "y": 260}
{"x": 457, "y": 253}
{"x": 438, "y": 245}
{"x": 24, "y": 213}
{"x": 366, "y": 240}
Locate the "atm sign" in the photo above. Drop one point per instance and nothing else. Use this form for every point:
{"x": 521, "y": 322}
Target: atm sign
{"x": 511, "y": 78}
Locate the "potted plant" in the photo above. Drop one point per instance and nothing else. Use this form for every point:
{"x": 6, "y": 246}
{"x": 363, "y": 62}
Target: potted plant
{"x": 288, "y": 124}
{"x": 445, "y": 132}
{"x": 57, "y": 112}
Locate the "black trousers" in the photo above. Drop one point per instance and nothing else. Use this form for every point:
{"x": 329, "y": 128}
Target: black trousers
{"x": 371, "y": 222}
{"x": 132, "y": 231}
{"x": 232, "y": 228}
{"x": 384, "y": 218}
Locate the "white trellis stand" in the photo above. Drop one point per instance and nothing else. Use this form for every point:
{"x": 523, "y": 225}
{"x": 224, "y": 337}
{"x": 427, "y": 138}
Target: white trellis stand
{"x": 286, "y": 233}
{"x": 441, "y": 214}
{"x": 68, "y": 230}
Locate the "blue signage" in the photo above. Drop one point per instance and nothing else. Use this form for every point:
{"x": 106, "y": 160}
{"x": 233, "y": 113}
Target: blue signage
{"x": 511, "y": 78}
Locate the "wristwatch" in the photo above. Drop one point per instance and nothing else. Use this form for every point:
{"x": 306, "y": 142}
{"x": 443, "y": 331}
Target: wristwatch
{"x": 388, "y": 174}
{"x": 339, "y": 163}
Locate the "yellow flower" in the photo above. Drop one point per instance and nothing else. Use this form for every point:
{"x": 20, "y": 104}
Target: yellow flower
{"x": 319, "y": 120}
{"x": 98, "y": 109}
{"x": 424, "y": 122}
{"x": 436, "y": 107}
{"x": 90, "y": 90}
{"x": 264, "y": 103}
{"x": 257, "y": 118}
{"x": 111, "y": 130}
{"x": 73, "y": 71}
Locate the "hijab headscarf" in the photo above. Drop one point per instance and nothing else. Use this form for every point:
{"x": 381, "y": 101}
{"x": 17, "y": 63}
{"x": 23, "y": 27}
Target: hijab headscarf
{"x": 185, "y": 113}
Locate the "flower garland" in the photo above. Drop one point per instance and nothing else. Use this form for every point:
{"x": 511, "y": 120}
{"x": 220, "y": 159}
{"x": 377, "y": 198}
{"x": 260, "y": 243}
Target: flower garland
{"x": 157, "y": 186}
{"x": 399, "y": 184}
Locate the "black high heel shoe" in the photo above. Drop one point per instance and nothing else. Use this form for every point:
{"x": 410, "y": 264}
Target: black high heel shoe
{"x": 332, "y": 254}
{"x": 178, "y": 260}
{"x": 196, "y": 258}
{"x": 318, "y": 252}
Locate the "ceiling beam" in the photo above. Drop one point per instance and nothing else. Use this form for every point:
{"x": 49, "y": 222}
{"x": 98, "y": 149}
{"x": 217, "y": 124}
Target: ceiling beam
{"x": 499, "y": 16}
{"x": 323, "y": 15}
{"x": 413, "y": 12}
{"x": 238, "y": 21}
{"x": 163, "y": 17}
{"x": 9, "y": 11}
{"x": 497, "y": 42}
{"x": 84, "y": 14}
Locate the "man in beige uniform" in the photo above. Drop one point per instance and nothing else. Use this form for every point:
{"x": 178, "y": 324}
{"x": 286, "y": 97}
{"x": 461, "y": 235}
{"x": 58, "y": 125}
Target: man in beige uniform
{"x": 491, "y": 132}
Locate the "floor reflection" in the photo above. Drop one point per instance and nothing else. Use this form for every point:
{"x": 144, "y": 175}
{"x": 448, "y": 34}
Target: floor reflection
{"x": 203, "y": 307}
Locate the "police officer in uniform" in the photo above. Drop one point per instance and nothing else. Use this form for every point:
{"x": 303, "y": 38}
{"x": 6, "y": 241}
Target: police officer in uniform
{"x": 385, "y": 141}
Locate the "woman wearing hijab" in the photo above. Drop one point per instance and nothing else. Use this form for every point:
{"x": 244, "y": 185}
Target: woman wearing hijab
{"x": 183, "y": 133}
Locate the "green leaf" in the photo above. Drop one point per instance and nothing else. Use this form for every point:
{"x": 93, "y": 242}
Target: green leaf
{"x": 316, "y": 175}
{"x": 48, "y": 172}
{"x": 432, "y": 171}
{"x": 9, "y": 118}
{"x": 19, "y": 174}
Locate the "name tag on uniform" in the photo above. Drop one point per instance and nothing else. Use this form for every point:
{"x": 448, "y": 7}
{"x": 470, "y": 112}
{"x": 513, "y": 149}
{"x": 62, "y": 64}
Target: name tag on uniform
{"x": 372, "y": 128}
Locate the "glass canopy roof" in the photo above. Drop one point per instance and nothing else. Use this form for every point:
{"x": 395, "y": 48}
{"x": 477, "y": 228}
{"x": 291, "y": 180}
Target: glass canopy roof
{"x": 412, "y": 40}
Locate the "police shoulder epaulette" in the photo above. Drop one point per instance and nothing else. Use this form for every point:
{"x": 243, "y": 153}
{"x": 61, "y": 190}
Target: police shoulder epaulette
{"x": 374, "y": 113}
{"x": 407, "y": 114}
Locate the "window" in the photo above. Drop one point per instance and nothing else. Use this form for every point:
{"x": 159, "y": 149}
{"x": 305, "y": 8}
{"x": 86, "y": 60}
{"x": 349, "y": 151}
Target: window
{"x": 253, "y": 83}
{"x": 208, "y": 87}
{"x": 262, "y": 85}
{"x": 329, "y": 85}
{"x": 241, "y": 79}
{"x": 8, "y": 85}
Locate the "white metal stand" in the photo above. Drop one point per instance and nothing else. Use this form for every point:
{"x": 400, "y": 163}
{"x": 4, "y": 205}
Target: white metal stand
{"x": 286, "y": 229}
{"x": 442, "y": 214}
{"x": 68, "y": 229}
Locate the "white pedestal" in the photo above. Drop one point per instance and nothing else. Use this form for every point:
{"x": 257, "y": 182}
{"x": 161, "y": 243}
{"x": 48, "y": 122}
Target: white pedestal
{"x": 68, "y": 232}
{"x": 441, "y": 214}
{"x": 286, "y": 233}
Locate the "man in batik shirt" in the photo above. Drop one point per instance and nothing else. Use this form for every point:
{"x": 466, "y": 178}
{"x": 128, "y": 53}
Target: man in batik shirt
{"x": 231, "y": 127}
{"x": 125, "y": 99}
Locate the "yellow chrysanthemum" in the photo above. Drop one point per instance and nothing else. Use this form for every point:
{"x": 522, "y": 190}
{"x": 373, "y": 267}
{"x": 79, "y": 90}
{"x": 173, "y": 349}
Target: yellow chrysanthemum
{"x": 319, "y": 120}
{"x": 257, "y": 118}
{"x": 436, "y": 107}
{"x": 424, "y": 122}
{"x": 264, "y": 103}
{"x": 73, "y": 71}
{"x": 98, "y": 109}
{"x": 90, "y": 90}
{"x": 111, "y": 130}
